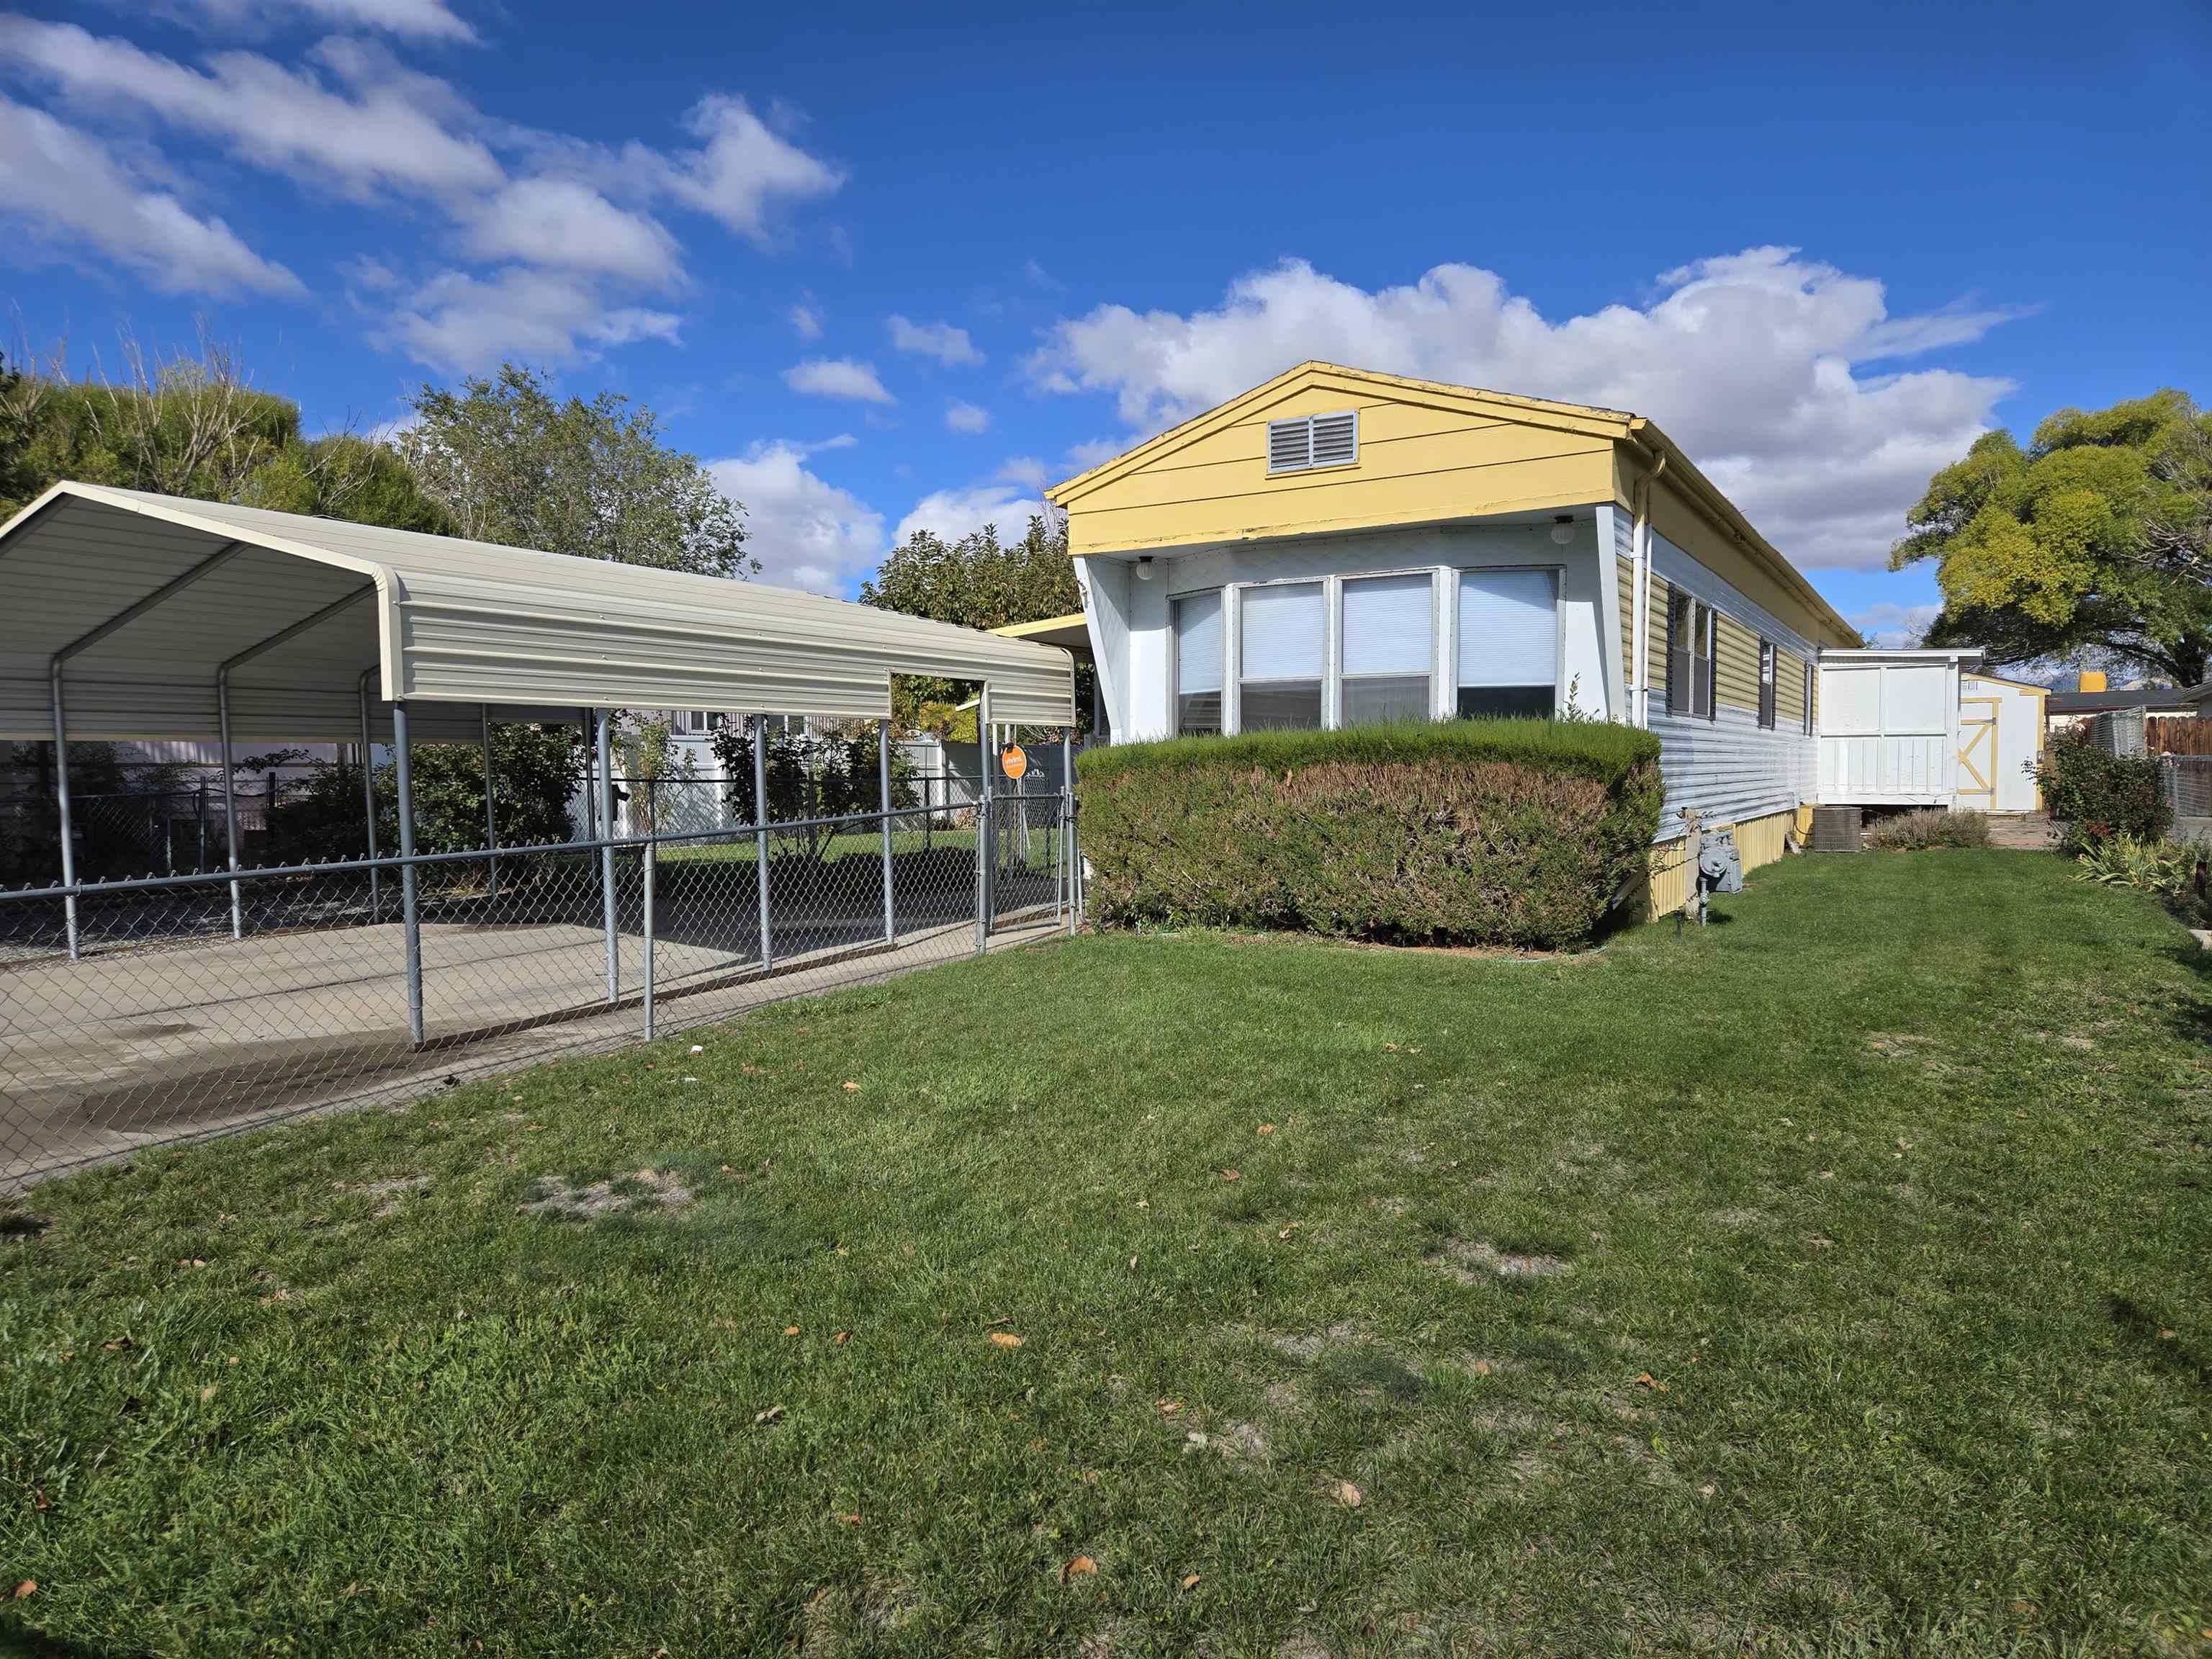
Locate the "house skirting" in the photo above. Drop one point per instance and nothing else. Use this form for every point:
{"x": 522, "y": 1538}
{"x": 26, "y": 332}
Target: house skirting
{"x": 1758, "y": 840}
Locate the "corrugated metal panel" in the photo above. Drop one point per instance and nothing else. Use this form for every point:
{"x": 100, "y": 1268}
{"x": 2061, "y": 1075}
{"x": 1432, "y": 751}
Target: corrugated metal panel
{"x": 1730, "y": 767}
{"x": 450, "y": 622}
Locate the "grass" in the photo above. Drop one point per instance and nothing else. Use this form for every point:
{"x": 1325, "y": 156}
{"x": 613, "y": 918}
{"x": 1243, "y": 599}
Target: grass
{"x": 1831, "y": 1280}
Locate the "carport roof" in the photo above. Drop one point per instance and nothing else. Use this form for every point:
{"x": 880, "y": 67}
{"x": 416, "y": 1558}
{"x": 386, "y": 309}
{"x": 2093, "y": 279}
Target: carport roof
{"x": 300, "y": 607}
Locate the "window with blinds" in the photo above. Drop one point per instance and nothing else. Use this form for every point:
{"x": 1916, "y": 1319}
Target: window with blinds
{"x": 1509, "y": 642}
{"x": 1282, "y": 648}
{"x": 1690, "y": 684}
{"x": 1766, "y": 669}
{"x": 1312, "y": 441}
{"x": 1198, "y": 664}
{"x": 1389, "y": 642}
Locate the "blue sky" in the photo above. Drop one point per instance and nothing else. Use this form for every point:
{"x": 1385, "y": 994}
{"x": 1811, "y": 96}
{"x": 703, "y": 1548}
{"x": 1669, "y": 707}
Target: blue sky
{"x": 892, "y": 268}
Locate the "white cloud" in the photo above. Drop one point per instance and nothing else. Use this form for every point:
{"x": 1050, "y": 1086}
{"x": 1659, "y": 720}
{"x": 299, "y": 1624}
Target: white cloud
{"x": 806, "y": 319}
{"x": 743, "y": 168}
{"x": 422, "y": 20}
{"x": 967, "y": 417}
{"x": 67, "y": 185}
{"x": 1094, "y": 453}
{"x": 1026, "y": 470}
{"x": 460, "y": 322}
{"x": 837, "y": 377}
{"x": 281, "y": 119}
{"x": 1745, "y": 360}
{"x": 559, "y": 221}
{"x": 949, "y": 514}
{"x": 1891, "y": 627}
{"x": 942, "y": 340}
{"x": 805, "y": 532}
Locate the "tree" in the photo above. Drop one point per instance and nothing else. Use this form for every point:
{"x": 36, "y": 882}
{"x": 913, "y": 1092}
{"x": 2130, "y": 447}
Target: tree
{"x": 343, "y": 475}
{"x": 511, "y": 465}
{"x": 978, "y": 582}
{"x": 2098, "y": 536}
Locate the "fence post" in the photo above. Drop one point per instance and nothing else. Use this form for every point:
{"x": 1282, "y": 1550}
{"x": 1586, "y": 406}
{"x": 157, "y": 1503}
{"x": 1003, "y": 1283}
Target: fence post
{"x": 62, "y": 801}
{"x": 410, "y": 909}
{"x": 983, "y": 850}
{"x": 492, "y": 823}
{"x": 1067, "y": 819}
{"x": 368, "y": 801}
{"x": 230, "y": 804}
{"x": 605, "y": 746}
{"x": 884, "y": 802}
{"x": 651, "y": 845}
{"x": 199, "y": 859}
{"x": 760, "y": 834}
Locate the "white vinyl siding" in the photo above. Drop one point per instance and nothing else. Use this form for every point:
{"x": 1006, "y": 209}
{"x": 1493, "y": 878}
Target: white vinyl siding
{"x": 1313, "y": 441}
{"x": 1198, "y": 663}
{"x": 1283, "y": 655}
{"x": 1389, "y": 645}
{"x": 1508, "y": 641}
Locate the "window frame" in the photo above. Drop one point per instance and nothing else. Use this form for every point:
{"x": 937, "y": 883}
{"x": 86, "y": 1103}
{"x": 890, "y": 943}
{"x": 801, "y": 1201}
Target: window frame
{"x": 1769, "y": 681}
{"x": 1333, "y": 692}
{"x": 1810, "y": 667}
{"x": 1309, "y": 465}
{"x": 1175, "y": 659}
{"x": 1449, "y": 640}
{"x": 1707, "y": 682}
{"x": 1233, "y": 669}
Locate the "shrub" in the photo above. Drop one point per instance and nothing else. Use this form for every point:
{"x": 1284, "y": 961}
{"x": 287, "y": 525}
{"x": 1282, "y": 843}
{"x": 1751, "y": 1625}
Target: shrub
{"x": 1495, "y": 832}
{"x": 2096, "y": 796}
{"x": 2179, "y": 872}
{"x": 1928, "y": 826}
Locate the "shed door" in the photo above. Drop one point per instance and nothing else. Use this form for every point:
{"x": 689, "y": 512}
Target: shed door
{"x": 1978, "y": 753}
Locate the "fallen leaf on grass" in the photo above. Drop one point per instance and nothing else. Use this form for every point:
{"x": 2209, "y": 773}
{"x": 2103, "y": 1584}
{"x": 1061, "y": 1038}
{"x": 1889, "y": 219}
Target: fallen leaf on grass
{"x": 1646, "y": 1380}
{"x": 791, "y": 1330}
{"x": 1170, "y": 1407}
{"x": 1345, "y": 1493}
{"x": 1005, "y": 1339}
{"x": 841, "y": 1338}
{"x": 851, "y": 1087}
{"x": 1267, "y": 1128}
{"x": 1288, "y": 1230}
{"x": 848, "y": 1520}
{"x": 1190, "y": 1581}
{"x": 1482, "y": 1368}
{"x": 1230, "y": 1174}
{"x": 768, "y": 1416}
{"x": 1082, "y": 1567}
{"x": 29, "y": 1586}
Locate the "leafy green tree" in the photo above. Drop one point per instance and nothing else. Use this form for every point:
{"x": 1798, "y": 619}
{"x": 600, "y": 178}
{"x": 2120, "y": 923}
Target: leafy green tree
{"x": 535, "y": 773}
{"x": 811, "y": 774}
{"x": 978, "y": 582}
{"x": 346, "y": 476}
{"x": 510, "y": 464}
{"x": 2098, "y": 536}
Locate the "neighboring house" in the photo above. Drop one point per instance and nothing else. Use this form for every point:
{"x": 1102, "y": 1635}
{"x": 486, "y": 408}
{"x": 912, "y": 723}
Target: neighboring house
{"x": 1338, "y": 546}
{"x": 2092, "y": 698}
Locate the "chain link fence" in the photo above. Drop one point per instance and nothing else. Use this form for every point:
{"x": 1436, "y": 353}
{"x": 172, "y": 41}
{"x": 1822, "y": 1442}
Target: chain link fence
{"x": 2189, "y": 794}
{"x": 201, "y": 1002}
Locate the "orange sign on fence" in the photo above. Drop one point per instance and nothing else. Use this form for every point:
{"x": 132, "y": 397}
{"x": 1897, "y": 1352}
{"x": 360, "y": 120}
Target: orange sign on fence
{"x": 1014, "y": 761}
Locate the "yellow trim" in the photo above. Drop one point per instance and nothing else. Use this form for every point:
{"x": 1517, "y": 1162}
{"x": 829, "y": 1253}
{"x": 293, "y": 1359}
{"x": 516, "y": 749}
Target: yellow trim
{"x": 1069, "y": 630}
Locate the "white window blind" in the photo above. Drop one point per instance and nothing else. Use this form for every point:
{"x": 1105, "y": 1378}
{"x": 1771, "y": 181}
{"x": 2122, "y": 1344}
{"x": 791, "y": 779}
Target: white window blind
{"x": 1310, "y": 440}
{"x": 1509, "y": 628}
{"x": 1283, "y": 630}
{"x": 1386, "y": 625}
{"x": 1198, "y": 643}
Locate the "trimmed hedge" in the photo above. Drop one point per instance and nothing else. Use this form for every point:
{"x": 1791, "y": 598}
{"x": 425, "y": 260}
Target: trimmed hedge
{"x": 1459, "y": 832}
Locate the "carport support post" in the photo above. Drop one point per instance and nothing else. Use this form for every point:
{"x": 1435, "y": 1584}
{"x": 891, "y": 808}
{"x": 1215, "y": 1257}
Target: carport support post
{"x": 1067, "y": 819}
{"x": 605, "y": 747}
{"x": 410, "y": 915}
{"x": 369, "y": 803}
{"x": 491, "y": 823}
{"x": 983, "y": 853}
{"x": 760, "y": 833}
{"x": 230, "y": 804}
{"x": 884, "y": 801}
{"x": 62, "y": 801}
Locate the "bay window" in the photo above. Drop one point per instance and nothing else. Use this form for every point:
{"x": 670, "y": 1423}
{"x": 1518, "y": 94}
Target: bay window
{"x": 1509, "y": 642}
{"x": 1282, "y": 651}
{"x": 1389, "y": 644}
{"x": 1198, "y": 664}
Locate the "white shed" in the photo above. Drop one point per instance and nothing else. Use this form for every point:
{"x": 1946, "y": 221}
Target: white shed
{"x": 2003, "y": 730}
{"x": 1889, "y": 726}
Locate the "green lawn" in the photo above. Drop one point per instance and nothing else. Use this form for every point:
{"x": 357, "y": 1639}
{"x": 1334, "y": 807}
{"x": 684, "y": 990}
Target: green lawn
{"x": 1882, "y": 1314}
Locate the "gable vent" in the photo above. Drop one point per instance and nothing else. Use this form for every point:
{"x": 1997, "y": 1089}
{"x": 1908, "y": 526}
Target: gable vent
{"x": 1312, "y": 441}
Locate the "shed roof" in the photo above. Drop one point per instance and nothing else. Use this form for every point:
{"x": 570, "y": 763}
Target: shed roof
{"x": 300, "y": 606}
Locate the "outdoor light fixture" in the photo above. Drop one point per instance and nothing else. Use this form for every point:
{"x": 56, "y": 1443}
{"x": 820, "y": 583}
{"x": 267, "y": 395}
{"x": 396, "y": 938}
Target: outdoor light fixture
{"x": 1563, "y": 528}
{"x": 1144, "y": 568}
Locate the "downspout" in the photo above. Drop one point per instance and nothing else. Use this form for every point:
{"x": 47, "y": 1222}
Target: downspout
{"x": 1641, "y": 589}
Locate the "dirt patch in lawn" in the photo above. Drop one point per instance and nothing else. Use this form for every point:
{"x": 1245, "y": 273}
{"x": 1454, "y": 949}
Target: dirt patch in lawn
{"x": 1471, "y": 1261}
{"x": 647, "y": 1191}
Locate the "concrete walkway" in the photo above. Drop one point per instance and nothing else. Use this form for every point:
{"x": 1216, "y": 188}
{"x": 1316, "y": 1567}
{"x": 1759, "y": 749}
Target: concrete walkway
{"x": 101, "y": 1057}
{"x": 2029, "y": 831}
